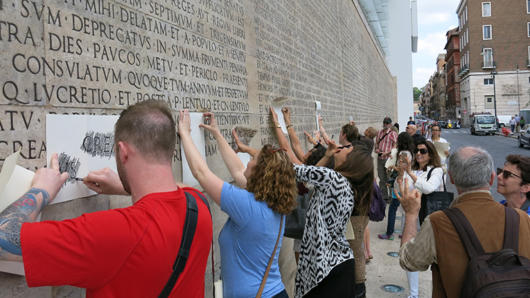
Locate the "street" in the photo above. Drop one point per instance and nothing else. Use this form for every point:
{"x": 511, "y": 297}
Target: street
{"x": 498, "y": 146}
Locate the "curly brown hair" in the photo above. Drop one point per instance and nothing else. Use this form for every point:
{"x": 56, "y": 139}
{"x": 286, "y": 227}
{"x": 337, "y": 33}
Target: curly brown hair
{"x": 273, "y": 180}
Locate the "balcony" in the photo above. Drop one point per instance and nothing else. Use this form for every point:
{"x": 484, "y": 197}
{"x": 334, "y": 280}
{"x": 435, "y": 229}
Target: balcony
{"x": 489, "y": 65}
{"x": 464, "y": 69}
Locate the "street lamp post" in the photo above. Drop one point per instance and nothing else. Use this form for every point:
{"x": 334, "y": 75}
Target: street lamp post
{"x": 493, "y": 73}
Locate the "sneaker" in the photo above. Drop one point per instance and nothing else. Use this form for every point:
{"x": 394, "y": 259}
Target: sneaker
{"x": 386, "y": 237}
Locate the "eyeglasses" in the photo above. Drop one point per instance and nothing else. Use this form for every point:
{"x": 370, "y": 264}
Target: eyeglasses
{"x": 344, "y": 147}
{"x": 435, "y": 130}
{"x": 422, "y": 151}
{"x": 506, "y": 174}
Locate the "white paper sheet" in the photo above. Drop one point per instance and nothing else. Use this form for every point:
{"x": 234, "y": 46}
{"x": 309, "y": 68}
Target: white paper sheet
{"x": 277, "y": 106}
{"x": 84, "y": 143}
{"x": 441, "y": 148}
{"x": 14, "y": 181}
{"x": 318, "y": 107}
{"x": 244, "y": 157}
{"x": 197, "y": 135}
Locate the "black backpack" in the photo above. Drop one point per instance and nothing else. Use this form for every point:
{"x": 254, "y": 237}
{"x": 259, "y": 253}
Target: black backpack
{"x": 502, "y": 273}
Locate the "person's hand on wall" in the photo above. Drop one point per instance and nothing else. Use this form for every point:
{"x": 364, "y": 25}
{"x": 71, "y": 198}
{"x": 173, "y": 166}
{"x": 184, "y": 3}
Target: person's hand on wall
{"x": 274, "y": 117}
{"x": 184, "y": 122}
{"x": 210, "y": 123}
{"x": 286, "y": 115}
{"x": 50, "y": 179}
{"x": 241, "y": 147}
{"x": 104, "y": 181}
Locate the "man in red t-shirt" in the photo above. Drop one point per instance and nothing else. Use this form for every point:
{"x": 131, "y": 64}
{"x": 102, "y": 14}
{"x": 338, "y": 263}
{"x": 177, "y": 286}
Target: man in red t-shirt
{"x": 125, "y": 252}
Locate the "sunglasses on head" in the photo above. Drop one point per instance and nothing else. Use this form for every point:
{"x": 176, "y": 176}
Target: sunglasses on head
{"x": 506, "y": 174}
{"x": 344, "y": 147}
{"x": 422, "y": 151}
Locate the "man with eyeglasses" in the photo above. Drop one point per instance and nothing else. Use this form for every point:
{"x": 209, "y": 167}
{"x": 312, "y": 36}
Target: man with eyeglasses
{"x": 513, "y": 182}
{"x": 436, "y": 136}
{"x": 385, "y": 141}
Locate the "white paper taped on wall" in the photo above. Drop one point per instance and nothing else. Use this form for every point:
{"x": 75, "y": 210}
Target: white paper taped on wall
{"x": 318, "y": 107}
{"x": 197, "y": 135}
{"x": 277, "y": 105}
{"x": 15, "y": 181}
{"x": 87, "y": 145}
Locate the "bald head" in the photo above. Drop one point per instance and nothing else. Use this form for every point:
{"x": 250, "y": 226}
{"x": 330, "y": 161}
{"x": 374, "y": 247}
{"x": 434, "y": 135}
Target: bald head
{"x": 411, "y": 129}
{"x": 471, "y": 168}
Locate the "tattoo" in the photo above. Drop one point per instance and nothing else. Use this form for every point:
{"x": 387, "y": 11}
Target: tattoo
{"x": 24, "y": 209}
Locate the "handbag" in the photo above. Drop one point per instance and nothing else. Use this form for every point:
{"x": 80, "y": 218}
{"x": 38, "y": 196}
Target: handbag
{"x": 295, "y": 221}
{"x": 264, "y": 280}
{"x": 377, "y": 205}
{"x": 437, "y": 200}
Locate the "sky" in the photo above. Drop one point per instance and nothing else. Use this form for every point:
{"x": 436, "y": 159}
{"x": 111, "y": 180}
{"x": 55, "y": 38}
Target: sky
{"x": 435, "y": 18}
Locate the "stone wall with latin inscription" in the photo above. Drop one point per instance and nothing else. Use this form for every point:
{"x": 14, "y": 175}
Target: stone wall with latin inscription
{"x": 231, "y": 57}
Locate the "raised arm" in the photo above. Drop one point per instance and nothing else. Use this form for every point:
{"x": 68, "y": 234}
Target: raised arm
{"x": 44, "y": 187}
{"x": 295, "y": 141}
{"x": 330, "y": 151}
{"x": 242, "y": 147}
{"x": 232, "y": 161}
{"x": 282, "y": 140}
{"x": 211, "y": 184}
{"x": 322, "y": 130}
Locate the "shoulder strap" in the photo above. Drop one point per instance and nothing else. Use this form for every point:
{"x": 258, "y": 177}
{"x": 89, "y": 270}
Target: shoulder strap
{"x": 264, "y": 280}
{"x": 465, "y": 231}
{"x": 429, "y": 173}
{"x": 188, "y": 232}
{"x": 386, "y": 134}
{"x": 511, "y": 229}
{"x": 526, "y": 206}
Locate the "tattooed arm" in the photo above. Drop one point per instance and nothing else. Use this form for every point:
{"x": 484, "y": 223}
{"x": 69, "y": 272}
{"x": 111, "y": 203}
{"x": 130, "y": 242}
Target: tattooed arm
{"x": 45, "y": 185}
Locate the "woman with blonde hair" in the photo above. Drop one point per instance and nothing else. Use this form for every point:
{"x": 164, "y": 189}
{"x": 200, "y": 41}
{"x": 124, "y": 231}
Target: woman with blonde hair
{"x": 254, "y": 227}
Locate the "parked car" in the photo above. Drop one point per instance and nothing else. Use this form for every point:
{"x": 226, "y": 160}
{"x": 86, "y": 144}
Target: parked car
{"x": 442, "y": 123}
{"x": 504, "y": 120}
{"x": 524, "y": 138}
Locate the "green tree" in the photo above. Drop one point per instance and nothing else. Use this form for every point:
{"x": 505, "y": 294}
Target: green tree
{"x": 417, "y": 92}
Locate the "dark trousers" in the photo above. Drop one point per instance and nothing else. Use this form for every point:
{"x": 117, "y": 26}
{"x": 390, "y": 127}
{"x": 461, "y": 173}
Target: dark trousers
{"x": 392, "y": 209}
{"x": 339, "y": 283}
{"x": 383, "y": 178}
{"x": 282, "y": 294}
{"x": 513, "y": 128}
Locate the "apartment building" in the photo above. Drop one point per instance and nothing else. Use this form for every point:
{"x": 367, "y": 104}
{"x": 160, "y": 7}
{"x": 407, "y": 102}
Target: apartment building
{"x": 452, "y": 68}
{"x": 494, "y": 41}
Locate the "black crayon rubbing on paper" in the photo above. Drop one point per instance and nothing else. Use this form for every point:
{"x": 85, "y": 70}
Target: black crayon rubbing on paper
{"x": 70, "y": 165}
{"x": 245, "y": 135}
{"x": 98, "y": 144}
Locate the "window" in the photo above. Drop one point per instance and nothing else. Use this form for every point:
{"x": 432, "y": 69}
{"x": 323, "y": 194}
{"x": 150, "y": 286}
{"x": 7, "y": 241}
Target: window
{"x": 488, "y": 57}
{"x": 467, "y": 35}
{"x": 488, "y": 102}
{"x": 486, "y": 32}
{"x": 528, "y": 30}
{"x": 528, "y": 60}
{"x": 465, "y": 15}
{"x": 488, "y": 81}
{"x": 527, "y": 6}
{"x": 486, "y": 9}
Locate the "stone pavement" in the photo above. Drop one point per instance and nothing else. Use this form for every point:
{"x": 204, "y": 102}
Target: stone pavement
{"x": 384, "y": 269}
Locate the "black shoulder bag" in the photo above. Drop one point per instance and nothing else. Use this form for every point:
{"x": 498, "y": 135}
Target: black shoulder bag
{"x": 190, "y": 223}
{"x": 436, "y": 200}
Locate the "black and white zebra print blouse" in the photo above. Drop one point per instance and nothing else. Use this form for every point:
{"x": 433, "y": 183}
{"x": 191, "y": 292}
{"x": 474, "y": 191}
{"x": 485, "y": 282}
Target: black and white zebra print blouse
{"x": 324, "y": 245}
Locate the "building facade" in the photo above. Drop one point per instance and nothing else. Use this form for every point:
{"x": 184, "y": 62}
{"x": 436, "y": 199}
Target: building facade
{"x": 394, "y": 23}
{"x": 494, "y": 45}
{"x": 452, "y": 68}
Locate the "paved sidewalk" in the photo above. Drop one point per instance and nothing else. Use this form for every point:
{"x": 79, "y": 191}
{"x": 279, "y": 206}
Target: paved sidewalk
{"x": 384, "y": 269}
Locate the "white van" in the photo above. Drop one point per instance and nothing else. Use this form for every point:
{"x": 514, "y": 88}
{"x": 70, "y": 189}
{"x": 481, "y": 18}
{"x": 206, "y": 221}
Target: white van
{"x": 483, "y": 124}
{"x": 504, "y": 120}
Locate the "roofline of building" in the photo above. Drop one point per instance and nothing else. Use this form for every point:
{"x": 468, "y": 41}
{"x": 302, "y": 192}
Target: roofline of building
{"x": 450, "y": 33}
{"x": 357, "y": 6}
{"x": 460, "y": 6}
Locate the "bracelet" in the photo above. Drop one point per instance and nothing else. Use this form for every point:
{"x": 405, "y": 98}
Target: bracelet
{"x": 278, "y": 125}
{"x": 289, "y": 126}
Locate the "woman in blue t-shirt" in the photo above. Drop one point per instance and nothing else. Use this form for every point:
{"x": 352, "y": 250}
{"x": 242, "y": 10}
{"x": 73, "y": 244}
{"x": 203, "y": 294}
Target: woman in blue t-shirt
{"x": 266, "y": 191}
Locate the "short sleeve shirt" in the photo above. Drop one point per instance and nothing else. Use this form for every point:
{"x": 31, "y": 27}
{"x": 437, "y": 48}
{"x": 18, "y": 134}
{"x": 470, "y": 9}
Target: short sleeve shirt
{"x": 246, "y": 243}
{"x": 126, "y": 252}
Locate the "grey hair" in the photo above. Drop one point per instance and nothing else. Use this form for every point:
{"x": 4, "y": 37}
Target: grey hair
{"x": 470, "y": 168}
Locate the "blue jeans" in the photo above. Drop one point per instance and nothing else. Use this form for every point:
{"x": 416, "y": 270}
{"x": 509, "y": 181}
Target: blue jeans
{"x": 392, "y": 216}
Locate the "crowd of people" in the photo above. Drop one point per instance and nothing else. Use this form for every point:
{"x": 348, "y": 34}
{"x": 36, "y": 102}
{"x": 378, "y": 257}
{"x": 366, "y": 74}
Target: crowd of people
{"x": 137, "y": 251}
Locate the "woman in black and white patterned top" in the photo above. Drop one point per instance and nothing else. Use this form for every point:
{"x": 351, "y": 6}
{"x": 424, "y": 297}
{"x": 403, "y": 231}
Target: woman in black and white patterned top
{"x": 327, "y": 267}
